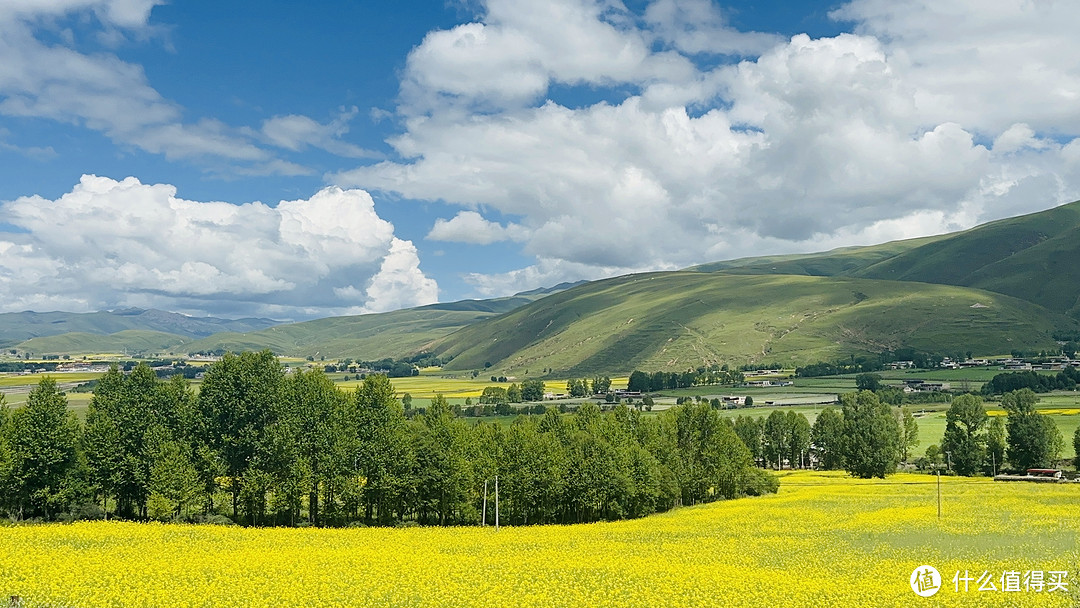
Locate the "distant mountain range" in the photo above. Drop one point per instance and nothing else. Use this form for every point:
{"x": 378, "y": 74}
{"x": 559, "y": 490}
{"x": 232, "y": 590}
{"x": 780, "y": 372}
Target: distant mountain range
{"x": 16, "y": 327}
{"x": 1008, "y": 285}
{"x": 134, "y": 331}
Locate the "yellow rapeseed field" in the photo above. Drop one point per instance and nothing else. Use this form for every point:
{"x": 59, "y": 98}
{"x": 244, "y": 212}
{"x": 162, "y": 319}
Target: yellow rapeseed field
{"x": 426, "y": 386}
{"x": 824, "y": 540}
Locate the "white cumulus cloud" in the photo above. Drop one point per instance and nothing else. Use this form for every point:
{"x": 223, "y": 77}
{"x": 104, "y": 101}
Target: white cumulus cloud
{"x": 471, "y": 227}
{"x": 926, "y": 117}
{"x": 111, "y": 243}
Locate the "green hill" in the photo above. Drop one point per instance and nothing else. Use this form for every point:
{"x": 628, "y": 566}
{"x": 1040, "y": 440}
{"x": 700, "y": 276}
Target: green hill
{"x": 679, "y": 320}
{"x": 130, "y": 341}
{"x": 827, "y": 264}
{"x": 367, "y": 337}
{"x": 1034, "y": 257}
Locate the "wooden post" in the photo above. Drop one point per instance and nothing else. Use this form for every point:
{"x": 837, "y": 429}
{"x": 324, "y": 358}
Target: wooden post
{"x": 496, "y": 503}
{"x": 483, "y": 513}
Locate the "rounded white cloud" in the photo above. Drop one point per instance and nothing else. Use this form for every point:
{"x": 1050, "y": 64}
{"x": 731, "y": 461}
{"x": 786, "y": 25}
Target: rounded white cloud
{"x": 114, "y": 243}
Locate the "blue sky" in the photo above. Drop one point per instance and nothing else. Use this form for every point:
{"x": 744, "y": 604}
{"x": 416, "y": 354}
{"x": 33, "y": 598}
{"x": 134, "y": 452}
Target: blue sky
{"x": 302, "y": 160}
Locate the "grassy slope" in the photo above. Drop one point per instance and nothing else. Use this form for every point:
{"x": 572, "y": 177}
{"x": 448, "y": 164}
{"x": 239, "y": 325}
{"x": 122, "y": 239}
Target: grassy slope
{"x": 683, "y": 319}
{"x": 374, "y": 336}
{"x": 392, "y": 334}
{"x": 1032, "y": 257}
{"x": 128, "y": 341}
{"x": 830, "y": 263}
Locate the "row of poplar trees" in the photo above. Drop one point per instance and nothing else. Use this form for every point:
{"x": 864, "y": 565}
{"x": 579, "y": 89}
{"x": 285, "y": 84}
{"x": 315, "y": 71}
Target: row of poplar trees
{"x": 266, "y": 447}
{"x": 865, "y": 437}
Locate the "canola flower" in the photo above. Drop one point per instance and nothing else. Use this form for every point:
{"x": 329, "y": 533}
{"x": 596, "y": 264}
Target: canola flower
{"x": 823, "y": 540}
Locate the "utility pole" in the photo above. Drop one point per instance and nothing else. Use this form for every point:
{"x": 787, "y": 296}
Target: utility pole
{"x": 993, "y": 463}
{"x": 939, "y": 492}
{"x": 496, "y": 503}
{"x": 483, "y": 516}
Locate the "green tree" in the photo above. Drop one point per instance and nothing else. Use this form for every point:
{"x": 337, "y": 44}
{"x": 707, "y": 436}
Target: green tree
{"x": 236, "y": 406}
{"x": 601, "y": 384}
{"x": 532, "y": 390}
{"x": 102, "y": 443}
{"x": 775, "y": 438}
{"x": 310, "y": 417}
{"x": 494, "y": 395}
{"x": 935, "y": 458}
{"x": 965, "y": 439}
{"x": 7, "y": 491}
{"x": 798, "y": 438}
{"x": 1076, "y": 448}
{"x": 827, "y": 437}
{"x": 639, "y": 382}
{"x": 714, "y": 461}
{"x": 577, "y": 388}
{"x": 174, "y": 482}
{"x": 868, "y": 382}
{"x": 513, "y": 394}
{"x": 381, "y": 449}
{"x": 124, "y": 413}
{"x": 44, "y": 466}
{"x": 909, "y": 434}
{"x": 995, "y": 445}
{"x": 748, "y": 428}
{"x": 871, "y": 436}
{"x": 443, "y": 466}
{"x": 1034, "y": 441}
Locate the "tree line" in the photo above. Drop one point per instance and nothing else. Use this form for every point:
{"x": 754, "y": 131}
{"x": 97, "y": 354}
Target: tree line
{"x": 869, "y": 438}
{"x": 266, "y": 447}
{"x": 866, "y": 437}
{"x": 975, "y": 442}
{"x": 645, "y": 382}
{"x": 1065, "y": 380}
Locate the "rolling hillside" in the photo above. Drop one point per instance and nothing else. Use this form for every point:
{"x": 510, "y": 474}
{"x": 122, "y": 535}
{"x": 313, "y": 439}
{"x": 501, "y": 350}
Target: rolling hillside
{"x": 678, "y": 320}
{"x": 827, "y": 264}
{"x": 373, "y": 336}
{"x": 16, "y": 327}
{"x": 129, "y": 342}
{"x": 1034, "y": 257}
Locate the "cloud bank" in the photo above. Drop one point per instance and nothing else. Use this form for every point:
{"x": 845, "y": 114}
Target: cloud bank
{"x": 113, "y": 243}
{"x": 714, "y": 143}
